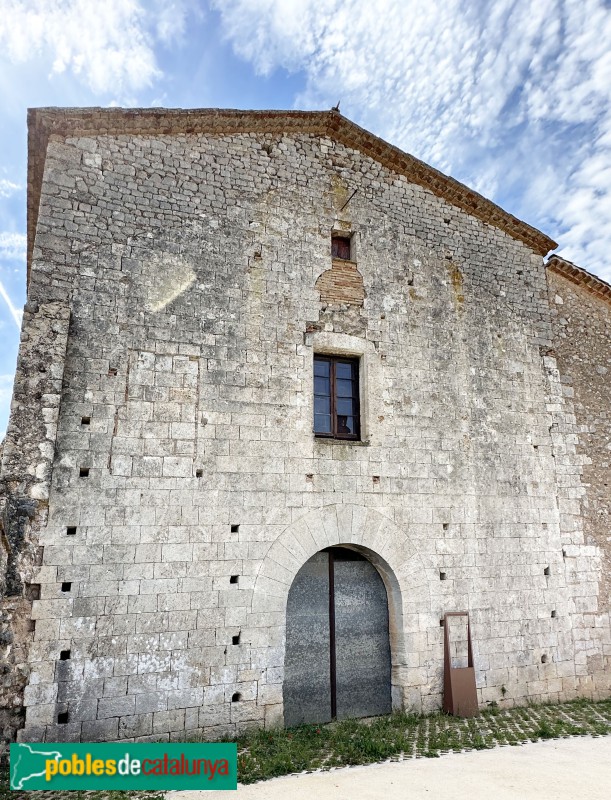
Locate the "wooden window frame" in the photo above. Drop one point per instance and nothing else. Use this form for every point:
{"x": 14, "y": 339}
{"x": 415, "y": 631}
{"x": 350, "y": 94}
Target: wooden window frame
{"x": 355, "y": 364}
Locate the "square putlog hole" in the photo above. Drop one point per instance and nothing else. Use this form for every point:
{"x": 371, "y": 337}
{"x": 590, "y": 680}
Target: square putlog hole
{"x": 83, "y": 472}
{"x": 235, "y": 528}
{"x": 66, "y": 586}
{"x": 85, "y": 421}
{"x": 71, "y": 530}
{"x": 234, "y": 579}
{"x": 235, "y": 639}
{"x": 62, "y": 718}
{"x": 32, "y": 591}
{"x": 64, "y": 655}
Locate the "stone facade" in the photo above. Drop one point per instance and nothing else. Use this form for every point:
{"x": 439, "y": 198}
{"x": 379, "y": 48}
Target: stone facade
{"x": 581, "y": 319}
{"x": 162, "y": 483}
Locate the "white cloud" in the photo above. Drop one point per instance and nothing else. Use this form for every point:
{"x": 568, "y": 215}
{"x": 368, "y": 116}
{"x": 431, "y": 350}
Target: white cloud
{"x": 513, "y": 97}
{"x": 7, "y": 188}
{"x": 109, "y": 45}
{"x": 12, "y": 246}
{"x": 171, "y": 21}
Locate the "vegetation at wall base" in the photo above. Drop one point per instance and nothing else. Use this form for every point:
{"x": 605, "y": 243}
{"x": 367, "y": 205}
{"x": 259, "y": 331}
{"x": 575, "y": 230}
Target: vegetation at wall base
{"x": 268, "y": 754}
{"x": 401, "y": 736}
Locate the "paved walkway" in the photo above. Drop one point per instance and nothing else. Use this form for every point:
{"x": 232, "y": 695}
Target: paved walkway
{"x": 578, "y": 768}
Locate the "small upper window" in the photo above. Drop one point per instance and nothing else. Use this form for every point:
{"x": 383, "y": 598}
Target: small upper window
{"x": 340, "y": 247}
{"x": 336, "y": 397}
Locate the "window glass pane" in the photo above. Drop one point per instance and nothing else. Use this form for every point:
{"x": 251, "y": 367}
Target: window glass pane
{"x": 336, "y": 396}
{"x": 344, "y": 388}
{"x": 322, "y": 385}
{"x": 322, "y": 423}
{"x": 322, "y": 405}
{"x": 344, "y": 406}
{"x": 321, "y": 367}
{"x": 343, "y": 370}
{"x": 345, "y": 424}
{"x": 351, "y": 424}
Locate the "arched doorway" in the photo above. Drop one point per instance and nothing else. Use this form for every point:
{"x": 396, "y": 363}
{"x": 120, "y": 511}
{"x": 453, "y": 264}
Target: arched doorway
{"x": 337, "y": 662}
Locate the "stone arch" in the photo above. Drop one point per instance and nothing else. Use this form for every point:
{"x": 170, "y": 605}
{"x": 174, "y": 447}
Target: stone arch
{"x": 376, "y": 537}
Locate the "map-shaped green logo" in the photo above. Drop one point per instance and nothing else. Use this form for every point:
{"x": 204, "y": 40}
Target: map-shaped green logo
{"x": 28, "y": 762}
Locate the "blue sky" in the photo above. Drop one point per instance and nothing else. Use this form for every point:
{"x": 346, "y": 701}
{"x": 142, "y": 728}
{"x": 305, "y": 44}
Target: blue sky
{"x": 512, "y": 97}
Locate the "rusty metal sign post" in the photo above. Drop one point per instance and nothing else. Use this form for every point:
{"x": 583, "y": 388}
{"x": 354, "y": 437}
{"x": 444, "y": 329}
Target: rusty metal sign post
{"x": 459, "y": 690}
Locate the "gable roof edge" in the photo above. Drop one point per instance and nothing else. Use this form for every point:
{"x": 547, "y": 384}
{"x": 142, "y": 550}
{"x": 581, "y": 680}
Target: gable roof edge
{"x": 579, "y": 276}
{"x": 64, "y": 122}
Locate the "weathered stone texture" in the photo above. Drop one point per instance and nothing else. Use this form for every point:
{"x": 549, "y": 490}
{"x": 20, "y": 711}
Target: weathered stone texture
{"x": 27, "y": 457}
{"x": 189, "y": 262}
{"x": 581, "y": 317}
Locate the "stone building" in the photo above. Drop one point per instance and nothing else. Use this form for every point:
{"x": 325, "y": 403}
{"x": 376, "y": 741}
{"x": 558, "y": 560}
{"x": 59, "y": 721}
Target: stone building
{"x": 285, "y": 396}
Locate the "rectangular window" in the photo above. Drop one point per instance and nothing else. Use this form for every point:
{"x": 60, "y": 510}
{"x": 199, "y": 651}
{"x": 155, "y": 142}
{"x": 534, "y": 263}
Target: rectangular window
{"x": 336, "y": 397}
{"x": 340, "y": 247}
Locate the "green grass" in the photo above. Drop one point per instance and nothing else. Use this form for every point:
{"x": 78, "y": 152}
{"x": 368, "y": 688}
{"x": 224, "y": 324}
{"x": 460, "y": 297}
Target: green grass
{"x": 268, "y": 754}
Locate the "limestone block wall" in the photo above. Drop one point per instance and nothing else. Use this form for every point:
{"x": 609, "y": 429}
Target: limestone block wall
{"x": 188, "y": 488}
{"x": 581, "y": 318}
{"x": 27, "y": 457}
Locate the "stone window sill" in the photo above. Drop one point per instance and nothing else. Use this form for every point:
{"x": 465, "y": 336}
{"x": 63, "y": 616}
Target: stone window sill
{"x": 328, "y": 440}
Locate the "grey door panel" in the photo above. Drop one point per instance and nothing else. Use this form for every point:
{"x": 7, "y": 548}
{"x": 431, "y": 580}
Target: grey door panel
{"x": 361, "y": 641}
{"x": 307, "y": 688}
{"x": 362, "y": 650}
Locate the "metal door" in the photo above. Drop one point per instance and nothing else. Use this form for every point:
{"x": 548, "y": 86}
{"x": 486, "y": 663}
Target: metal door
{"x": 337, "y": 662}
